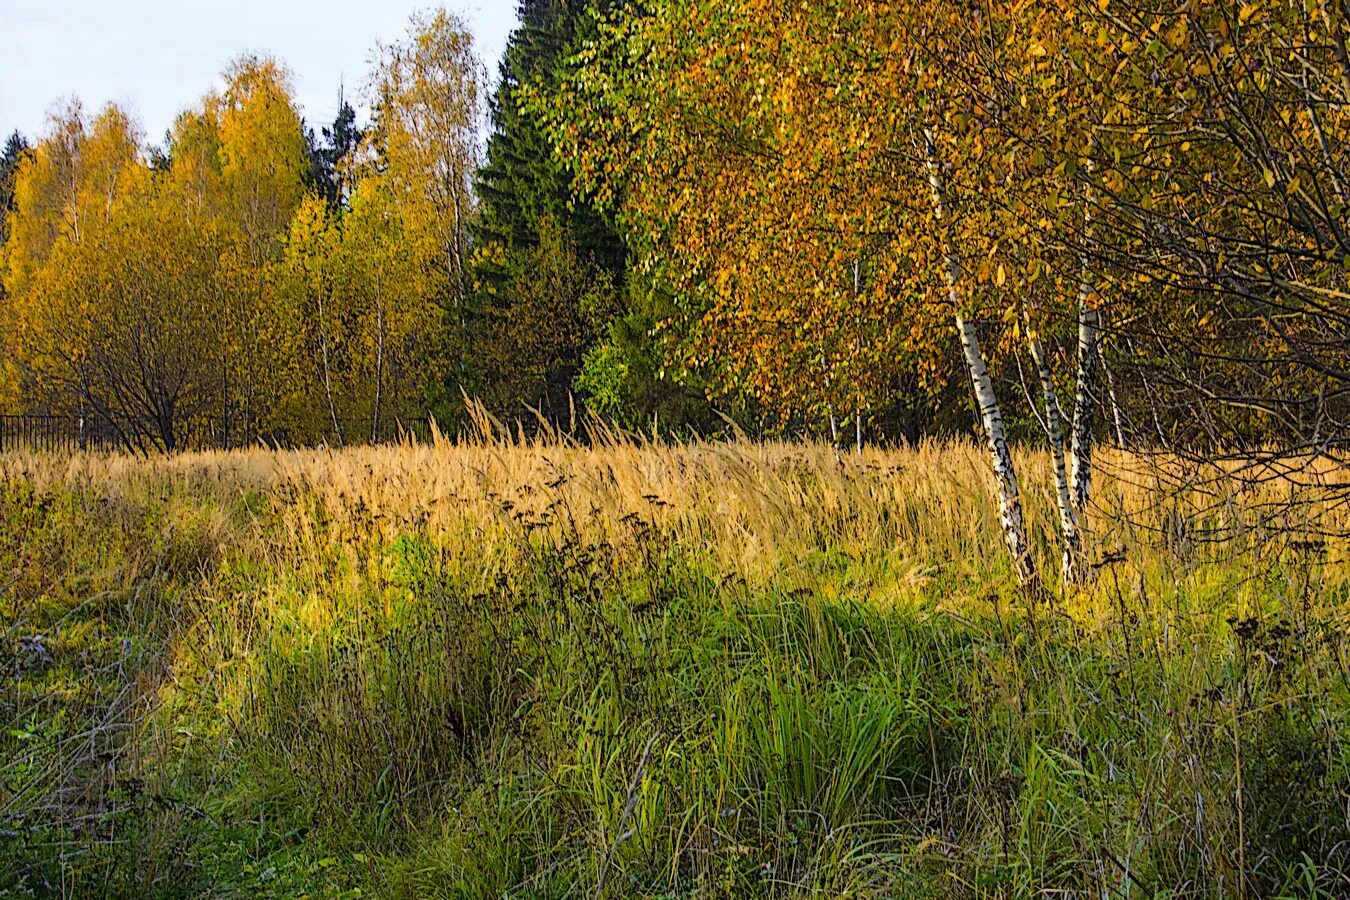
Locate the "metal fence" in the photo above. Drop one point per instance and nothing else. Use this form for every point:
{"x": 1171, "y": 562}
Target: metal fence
{"x": 54, "y": 433}
{"x": 69, "y": 434}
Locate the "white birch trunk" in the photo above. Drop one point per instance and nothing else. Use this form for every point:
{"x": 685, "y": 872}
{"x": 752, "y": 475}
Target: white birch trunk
{"x": 857, "y": 414}
{"x": 1115, "y": 406}
{"x": 1086, "y": 386}
{"x": 379, "y": 363}
{"x": 986, "y": 399}
{"x": 829, "y": 410}
{"x": 1086, "y": 391}
{"x": 327, "y": 376}
{"x": 1005, "y": 477}
{"x": 1071, "y": 559}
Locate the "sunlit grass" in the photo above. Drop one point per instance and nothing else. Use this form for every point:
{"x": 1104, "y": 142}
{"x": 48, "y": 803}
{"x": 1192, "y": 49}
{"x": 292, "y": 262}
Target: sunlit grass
{"x": 629, "y": 669}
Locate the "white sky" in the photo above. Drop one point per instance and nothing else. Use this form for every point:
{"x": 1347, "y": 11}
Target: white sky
{"x": 158, "y": 57}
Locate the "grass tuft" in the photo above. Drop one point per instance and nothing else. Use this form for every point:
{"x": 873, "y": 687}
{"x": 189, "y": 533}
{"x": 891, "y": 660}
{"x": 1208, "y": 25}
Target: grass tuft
{"x": 535, "y": 670}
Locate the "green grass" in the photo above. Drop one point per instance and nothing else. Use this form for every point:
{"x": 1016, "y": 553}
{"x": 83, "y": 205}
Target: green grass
{"x": 223, "y": 685}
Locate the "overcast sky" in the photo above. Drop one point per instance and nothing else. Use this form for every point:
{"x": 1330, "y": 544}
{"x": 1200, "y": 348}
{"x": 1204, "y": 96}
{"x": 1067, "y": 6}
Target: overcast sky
{"x": 158, "y": 57}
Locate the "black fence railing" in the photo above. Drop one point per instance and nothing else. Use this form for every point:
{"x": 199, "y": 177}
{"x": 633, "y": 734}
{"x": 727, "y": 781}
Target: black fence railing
{"x": 55, "y": 433}
{"x": 68, "y": 434}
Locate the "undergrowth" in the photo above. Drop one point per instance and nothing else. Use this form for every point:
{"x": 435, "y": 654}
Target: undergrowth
{"x": 651, "y": 672}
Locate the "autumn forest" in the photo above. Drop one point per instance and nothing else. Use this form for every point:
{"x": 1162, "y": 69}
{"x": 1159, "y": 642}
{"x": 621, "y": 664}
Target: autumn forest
{"x": 748, "y": 448}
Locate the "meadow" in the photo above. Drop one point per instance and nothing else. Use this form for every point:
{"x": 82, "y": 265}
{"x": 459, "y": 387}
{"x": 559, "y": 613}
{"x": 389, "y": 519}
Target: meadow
{"x": 629, "y": 669}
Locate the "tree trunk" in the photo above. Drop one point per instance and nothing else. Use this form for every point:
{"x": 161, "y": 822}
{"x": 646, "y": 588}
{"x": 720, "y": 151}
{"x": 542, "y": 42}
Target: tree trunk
{"x": 857, "y": 414}
{"x": 327, "y": 376}
{"x": 1115, "y": 405}
{"x": 1071, "y": 560}
{"x": 1005, "y": 477}
{"x": 829, "y": 410}
{"x": 225, "y": 410}
{"x": 1086, "y": 387}
{"x": 986, "y": 400}
{"x": 379, "y": 364}
{"x": 1085, "y": 397}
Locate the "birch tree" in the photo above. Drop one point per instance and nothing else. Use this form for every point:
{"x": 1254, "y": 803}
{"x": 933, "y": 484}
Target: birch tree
{"x": 757, "y": 153}
{"x": 423, "y": 146}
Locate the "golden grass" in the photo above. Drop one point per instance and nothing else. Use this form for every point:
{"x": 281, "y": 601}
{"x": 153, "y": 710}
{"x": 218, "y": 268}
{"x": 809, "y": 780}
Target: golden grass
{"x": 758, "y": 507}
{"x": 421, "y": 632}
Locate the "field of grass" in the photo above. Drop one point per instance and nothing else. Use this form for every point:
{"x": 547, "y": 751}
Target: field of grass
{"x": 631, "y": 670}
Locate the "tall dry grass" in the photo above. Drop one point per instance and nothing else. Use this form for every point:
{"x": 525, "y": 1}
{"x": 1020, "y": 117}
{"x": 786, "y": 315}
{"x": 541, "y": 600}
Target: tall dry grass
{"x": 532, "y": 668}
{"x": 753, "y": 503}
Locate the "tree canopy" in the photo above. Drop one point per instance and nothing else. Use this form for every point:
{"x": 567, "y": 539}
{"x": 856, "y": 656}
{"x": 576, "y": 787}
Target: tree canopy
{"x": 1106, "y": 220}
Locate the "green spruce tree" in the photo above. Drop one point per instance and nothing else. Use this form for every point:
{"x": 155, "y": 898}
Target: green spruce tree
{"x": 16, "y": 148}
{"x": 328, "y": 152}
{"x": 522, "y": 184}
{"x": 532, "y": 225}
